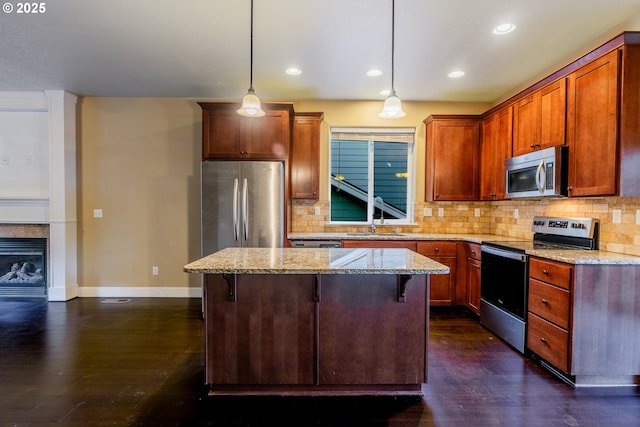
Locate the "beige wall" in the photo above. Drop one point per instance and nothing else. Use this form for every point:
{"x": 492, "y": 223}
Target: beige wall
{"x": 138, "y": 161}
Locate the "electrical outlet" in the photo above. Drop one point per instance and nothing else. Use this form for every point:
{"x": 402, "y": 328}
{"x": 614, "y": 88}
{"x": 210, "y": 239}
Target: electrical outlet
{"x": 638, "y": 217}
{"x": 516, "y": 213}
{"x": 154, "y": 270}
{"x": 617, "y": 216}
{"x": 316, "y": 211}
{"x": 476, "y": 212}
{"x": 427, "y": 212}
{"x": 97, "y": 213}
{"x": 440, "y": 211}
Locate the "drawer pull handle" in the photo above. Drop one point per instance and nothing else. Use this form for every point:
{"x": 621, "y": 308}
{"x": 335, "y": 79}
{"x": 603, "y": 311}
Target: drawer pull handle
{"x": 545, "y": 272}
{"x": 543, "y": 339}
{"x": 437, "y": 250}
{"x": 545, "y": 302}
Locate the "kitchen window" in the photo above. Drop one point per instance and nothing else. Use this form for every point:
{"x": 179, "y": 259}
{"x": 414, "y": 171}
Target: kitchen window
{"x": 372, "y": 175}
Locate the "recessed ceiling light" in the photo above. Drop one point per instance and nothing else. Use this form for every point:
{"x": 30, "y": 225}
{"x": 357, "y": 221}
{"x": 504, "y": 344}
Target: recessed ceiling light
{"x": 293, "y": 71}
{"x": 504, "y": 29}
{"x": 456, "y": 74}
{"x": 374, "y": 72}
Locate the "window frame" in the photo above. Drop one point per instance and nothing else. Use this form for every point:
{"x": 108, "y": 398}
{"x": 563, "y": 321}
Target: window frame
{"x": 411, "y": 175}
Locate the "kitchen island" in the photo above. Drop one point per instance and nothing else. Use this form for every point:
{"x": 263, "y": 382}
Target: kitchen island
{"x": 326, "y": 321}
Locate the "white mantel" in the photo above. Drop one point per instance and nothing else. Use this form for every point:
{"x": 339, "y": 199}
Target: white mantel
{"x": 57, "y": 209}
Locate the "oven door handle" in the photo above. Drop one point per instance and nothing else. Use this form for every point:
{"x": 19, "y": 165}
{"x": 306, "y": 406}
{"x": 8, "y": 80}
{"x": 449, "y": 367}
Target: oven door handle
{"x": 505, "y": 254}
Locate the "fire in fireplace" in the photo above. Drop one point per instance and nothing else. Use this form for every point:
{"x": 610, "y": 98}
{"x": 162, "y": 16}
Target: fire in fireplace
{"x": 23, "y": 267}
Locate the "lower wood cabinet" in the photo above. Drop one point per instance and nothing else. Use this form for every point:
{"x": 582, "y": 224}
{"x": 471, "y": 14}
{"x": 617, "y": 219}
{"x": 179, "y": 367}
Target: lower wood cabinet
{"x": 473, "y": 275}
{"x": 549, "y": 322}
{"x": 442, "y": 286}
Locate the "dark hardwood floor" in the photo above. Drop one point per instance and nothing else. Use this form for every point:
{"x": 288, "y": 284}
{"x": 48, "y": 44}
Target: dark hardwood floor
{"x": 90, "y": 363}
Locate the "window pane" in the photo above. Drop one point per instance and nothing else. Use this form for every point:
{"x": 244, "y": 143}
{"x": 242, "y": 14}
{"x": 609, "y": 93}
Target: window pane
{"x": 349, "y": 180}
{"x": 371, "y": 174}
{"x": 390, "y": 179}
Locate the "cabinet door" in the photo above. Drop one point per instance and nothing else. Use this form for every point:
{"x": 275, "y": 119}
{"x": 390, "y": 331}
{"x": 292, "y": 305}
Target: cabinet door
{"x": 539, "y": 119}
{"x": 553, "y": 111}
{"x": 495, "y": 149}
{"x": 220, "y": 134}
{"x": 452, "y": 163}
{"x": 305, "y": 156}
{"x": 354, "y": 351}
{"x": 442, "y": 287}
{"x": 266, "y": 336}
{"x": 525, "y": 124}
{"x": 474, "y": 268}
{"x": 592, "y": 127}
{"x": 267, "y": 137}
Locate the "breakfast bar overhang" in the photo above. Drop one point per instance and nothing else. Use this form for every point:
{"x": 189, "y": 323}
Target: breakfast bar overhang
{"x": 325, "y": 321}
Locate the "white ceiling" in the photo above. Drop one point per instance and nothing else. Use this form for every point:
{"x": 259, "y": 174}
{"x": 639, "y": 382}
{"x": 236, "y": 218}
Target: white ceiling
{"x": 200, "y": 48}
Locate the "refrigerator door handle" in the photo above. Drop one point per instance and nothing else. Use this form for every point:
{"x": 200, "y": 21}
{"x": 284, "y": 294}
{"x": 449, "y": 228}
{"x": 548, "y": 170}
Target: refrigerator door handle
{"x": 235, "y": 210}
{"x": 245, "y": 208}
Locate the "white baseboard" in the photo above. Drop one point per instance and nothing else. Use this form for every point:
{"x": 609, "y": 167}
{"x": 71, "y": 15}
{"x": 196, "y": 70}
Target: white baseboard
{"x": 138, "y": 292}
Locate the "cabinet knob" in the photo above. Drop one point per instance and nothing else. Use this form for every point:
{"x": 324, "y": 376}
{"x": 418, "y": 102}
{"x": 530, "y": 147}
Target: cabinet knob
{"x": 569, "y": 189}
{"x": 437, "y": 250}
{"x": 473, "y": 252}
{"x": 437, "y": 195}
{"x": 543, "y": 339}
{"x": 545, "y": 272}
{"x": 545, "y": 302}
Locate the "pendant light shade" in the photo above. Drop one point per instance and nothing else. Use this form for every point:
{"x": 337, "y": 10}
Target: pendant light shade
{"x": 251, "y": 103}
{"x": 392, "y": 106}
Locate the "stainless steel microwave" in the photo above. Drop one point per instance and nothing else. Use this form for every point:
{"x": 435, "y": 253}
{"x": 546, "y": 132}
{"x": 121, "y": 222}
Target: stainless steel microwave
{"x": 541, "y": 173}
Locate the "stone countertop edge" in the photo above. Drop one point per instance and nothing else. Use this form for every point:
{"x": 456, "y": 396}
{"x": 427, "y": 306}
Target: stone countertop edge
{"x": 567, "y": 256}
{"x": 316, "y": 261}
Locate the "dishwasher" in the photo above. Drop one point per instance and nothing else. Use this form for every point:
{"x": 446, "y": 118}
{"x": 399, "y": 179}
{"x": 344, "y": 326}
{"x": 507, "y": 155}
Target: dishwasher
{"x": 316, "y": 244}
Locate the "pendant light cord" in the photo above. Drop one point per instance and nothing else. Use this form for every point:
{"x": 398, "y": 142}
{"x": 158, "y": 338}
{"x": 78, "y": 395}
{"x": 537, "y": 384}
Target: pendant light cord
{"x": 251, "y": 52}
{"x": 393, "y": 42}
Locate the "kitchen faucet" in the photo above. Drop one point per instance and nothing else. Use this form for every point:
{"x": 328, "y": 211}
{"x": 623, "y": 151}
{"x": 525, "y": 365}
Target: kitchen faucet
{"x": 377, "y": 201}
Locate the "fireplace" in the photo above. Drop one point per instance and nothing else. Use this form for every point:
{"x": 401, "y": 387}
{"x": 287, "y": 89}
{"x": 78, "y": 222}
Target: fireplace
{"x": 23, "y": 265}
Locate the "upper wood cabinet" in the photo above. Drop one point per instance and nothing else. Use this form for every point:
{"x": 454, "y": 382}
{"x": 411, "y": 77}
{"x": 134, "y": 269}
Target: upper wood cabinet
{"x": 495, "y": 148}
{"x": 452, "y": 157}
{"x": 305, "y": 156}
{"x": 539, "y": 119}
{"x": 592, "y": 127}
{"x": 226, "y": 135}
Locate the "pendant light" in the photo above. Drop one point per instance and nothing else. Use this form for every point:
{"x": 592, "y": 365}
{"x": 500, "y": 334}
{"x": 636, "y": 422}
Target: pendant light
{"x": 392, "y": 105}
{"x": 251, "y": 103}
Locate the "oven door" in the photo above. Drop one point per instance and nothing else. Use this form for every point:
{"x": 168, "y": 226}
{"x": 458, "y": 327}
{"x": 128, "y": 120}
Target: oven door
{"x": 504, "y": 280}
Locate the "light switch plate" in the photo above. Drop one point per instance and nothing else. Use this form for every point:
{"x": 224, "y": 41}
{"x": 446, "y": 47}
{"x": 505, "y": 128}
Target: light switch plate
{"x": 638, "y": 217}
{"x": 316, "y": 211}
{"x": 427, "y": 212}
{"x": 440, "y": 211}
{"x": 516, "y": 213}
{"x": 476, "y": 212}
{"x": 97, "y": 213}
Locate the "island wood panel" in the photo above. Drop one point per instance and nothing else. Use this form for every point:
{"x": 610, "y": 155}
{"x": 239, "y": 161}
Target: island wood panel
{"x": 606, "y": 321}
{"x": 267, "y": 336}
{"x": 366, "y": 336}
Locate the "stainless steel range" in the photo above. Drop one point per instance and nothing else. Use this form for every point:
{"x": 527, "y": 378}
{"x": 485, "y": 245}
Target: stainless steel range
{"x": 505, "y": 271}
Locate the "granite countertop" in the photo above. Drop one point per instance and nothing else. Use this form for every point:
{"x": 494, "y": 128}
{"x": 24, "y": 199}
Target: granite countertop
{"x": 315, "y": 261}
{"x": 574, "y": 256}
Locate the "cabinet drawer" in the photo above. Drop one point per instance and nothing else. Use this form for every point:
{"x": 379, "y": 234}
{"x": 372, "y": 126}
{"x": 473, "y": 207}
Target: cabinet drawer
{"x": 549, "y": 302}
{"x": 551, "y": 272}
{"x": 474, "y": 251}
{"x": 548, "y": 341}
{"x": 437, "y": 248}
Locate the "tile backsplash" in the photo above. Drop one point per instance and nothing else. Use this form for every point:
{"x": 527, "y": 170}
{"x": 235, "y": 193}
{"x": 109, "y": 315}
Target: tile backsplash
{"x": 505, "y": 218}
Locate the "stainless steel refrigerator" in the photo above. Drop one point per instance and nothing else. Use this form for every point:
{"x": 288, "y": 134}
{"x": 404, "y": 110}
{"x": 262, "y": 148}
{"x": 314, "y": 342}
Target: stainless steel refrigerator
{"x": 242, "y": 204}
